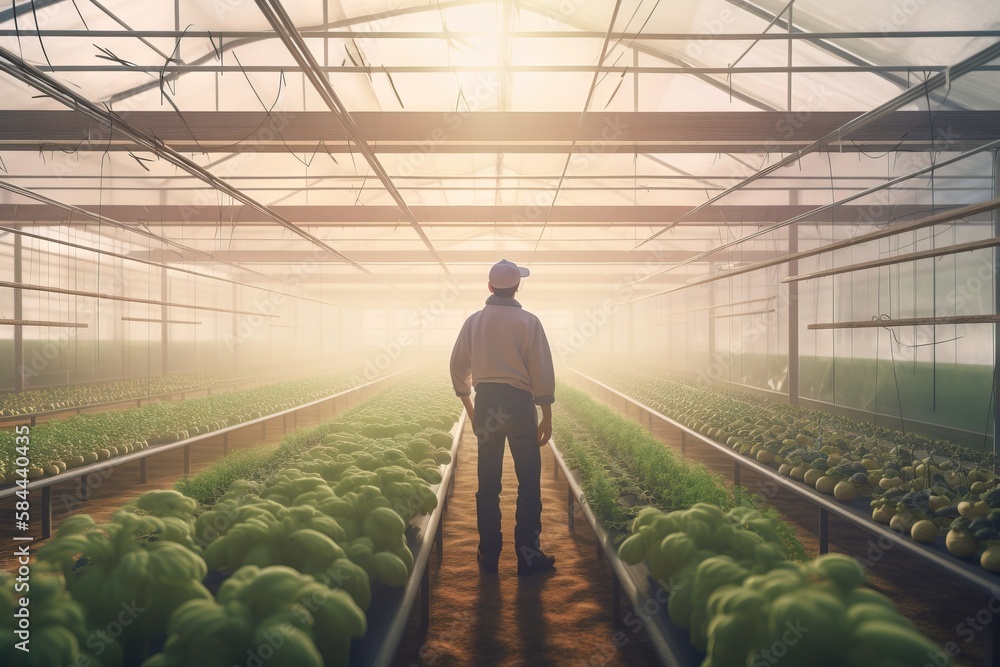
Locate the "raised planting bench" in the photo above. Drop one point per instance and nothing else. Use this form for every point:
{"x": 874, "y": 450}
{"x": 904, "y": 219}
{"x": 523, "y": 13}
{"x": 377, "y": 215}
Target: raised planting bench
{"x": 856, "y": 513}
{"x": 647, "y": 596}
{"x": 45, "y": 484}
{"x": 391, "y": 607}
{"x": 31, "y": 418}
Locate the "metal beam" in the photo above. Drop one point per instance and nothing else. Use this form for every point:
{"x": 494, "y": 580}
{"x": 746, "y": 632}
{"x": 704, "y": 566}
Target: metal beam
{"x": 24, "y": 7}
{"x": 895, "y": 259}
{"x": 53, "y": 205}
{"x": 908, "y": 322}
{"x": 116, "y": 297}
{"x": 18, "y": 323}
{"x": 579, "y": 123}
{"x": 834, "y": 205}
{"x": 820, "y": 41}
{"x": 373, "y": 18}
{"x": 158, "y": 320}
{"x": 972, "y": 63}
{"x": 511, "y": 69}
{"x": 460, "y": 216}
{"x": 169, "y": 267}
{"x": 485, "y": 257}
{"x": 275, "y": 14}
{"x": 32, "y": 76}
{"x": 954, "y": 214}
{"x": 412, "y": 131}
{"x": 313, "y": 33}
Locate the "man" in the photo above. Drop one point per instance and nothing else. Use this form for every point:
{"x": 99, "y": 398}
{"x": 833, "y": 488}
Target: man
{"x": 502, "y": 352}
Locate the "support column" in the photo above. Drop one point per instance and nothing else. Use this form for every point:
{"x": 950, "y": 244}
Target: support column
{"x": 712, "y": 359}
{"x": 996, "y": 299}
{"x": 18, "y": 314}
{"x": 164, "y": 327}
{"x": 235, "y": 324}
{"x": 793, "y": 316}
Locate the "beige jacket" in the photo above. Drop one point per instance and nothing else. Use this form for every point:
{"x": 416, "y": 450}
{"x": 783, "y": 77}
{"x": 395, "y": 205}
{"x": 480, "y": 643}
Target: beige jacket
{"x": 505, "y": 344}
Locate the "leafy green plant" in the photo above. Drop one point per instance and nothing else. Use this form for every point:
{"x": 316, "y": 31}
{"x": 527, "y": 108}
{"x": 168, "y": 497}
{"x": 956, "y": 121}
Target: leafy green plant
{"x": 619, "y": 460}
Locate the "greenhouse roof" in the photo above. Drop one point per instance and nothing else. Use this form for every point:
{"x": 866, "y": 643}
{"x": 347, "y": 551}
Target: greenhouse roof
{"x": 393, "y": 144}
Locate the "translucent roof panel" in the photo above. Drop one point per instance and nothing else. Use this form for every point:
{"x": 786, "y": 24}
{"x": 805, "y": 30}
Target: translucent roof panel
{"x": 431, "y": 84}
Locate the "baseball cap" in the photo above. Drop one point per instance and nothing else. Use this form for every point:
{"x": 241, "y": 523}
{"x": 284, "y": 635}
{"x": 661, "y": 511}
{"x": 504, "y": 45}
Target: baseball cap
{"x": 505, "y": 275}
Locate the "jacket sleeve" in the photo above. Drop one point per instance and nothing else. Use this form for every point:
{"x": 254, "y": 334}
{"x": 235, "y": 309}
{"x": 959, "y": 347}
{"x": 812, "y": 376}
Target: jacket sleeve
{"x": 540, "y": 370}
{"x": 461, "y": 363}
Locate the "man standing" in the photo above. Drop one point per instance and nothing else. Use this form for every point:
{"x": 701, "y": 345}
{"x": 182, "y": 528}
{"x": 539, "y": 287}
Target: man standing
{"x": 502, "y": 352}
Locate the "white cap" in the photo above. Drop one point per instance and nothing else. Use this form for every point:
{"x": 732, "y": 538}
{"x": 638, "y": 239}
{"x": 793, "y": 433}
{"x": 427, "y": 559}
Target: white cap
{"x": 505, "y": 275}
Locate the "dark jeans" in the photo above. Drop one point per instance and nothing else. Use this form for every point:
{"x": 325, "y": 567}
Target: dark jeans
{"x": 504, "y": 412}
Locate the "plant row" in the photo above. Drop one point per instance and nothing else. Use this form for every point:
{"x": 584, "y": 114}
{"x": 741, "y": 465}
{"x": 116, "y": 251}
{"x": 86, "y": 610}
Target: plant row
{"x": 58, "y": 445}
{"x": 744, "y": 603}
{"x": 931, "y": 490}
{"x": 32, "y": 401}
{"x": 623, "y": 469}
{"x": 277, "y": 568}
{"x": 737, "y": 578}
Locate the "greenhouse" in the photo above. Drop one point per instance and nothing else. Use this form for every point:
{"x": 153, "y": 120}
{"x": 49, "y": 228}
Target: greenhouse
{"x": 400, "y": 333}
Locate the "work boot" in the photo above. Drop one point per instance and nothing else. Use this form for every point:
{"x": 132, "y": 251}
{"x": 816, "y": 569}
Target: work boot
{"x": 531, "y": 560}
{"x": 487, "y": 565}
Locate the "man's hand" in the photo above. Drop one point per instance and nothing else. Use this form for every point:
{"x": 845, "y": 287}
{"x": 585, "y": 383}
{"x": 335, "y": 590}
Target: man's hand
{"x": 545, "y": 426}
{"x": 467, "y": 402}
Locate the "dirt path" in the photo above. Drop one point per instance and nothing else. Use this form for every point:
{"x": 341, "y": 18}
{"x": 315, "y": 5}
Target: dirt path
{"x": 505, "y": 620}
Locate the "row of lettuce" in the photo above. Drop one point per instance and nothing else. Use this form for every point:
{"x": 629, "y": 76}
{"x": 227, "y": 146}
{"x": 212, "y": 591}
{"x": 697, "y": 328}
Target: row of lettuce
{"x": 48, "y": 399}
{"x": 271, "y": 555}
{"x": 58, "y": 445}
{"x": 932, "y": 490}
{"x": 738, "y": 579}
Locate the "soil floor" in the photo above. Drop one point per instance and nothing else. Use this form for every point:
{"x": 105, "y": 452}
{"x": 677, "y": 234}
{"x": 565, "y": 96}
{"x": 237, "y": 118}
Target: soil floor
{"x": 503, "y": 620}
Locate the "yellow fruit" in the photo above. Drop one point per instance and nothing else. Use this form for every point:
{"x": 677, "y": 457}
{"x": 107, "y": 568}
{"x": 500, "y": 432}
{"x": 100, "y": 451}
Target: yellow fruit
{"x": 845, "y": 491}
{"x": 972, "y": 511}
{"x": 798, "y": 472}
{"x": 785, "y": 469}
{"x": 961, "y": 544}
{"x": 887, "y": 483}
{"x": 811, "y": 476}
{"x": 939, "y": 502}
{"x": 883, "y": 514}
{"x": 990, "y": 560}
{"x": 826, "y": 484}
{"x": 901, "y": 522}
{"x": 923, "y": 531}
{"x": 765, "y": 456}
